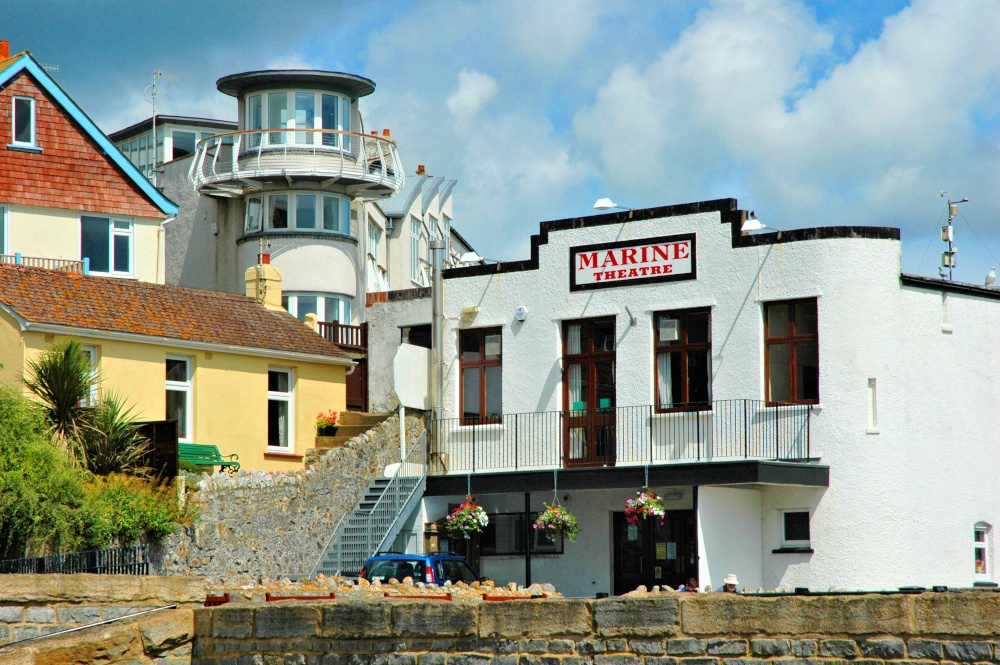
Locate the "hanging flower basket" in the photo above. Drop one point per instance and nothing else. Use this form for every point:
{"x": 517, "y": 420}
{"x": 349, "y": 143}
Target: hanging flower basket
{"x": 467, "y": 519}
{"x": 557, "y": 521}
{"x": 643, "y": 506}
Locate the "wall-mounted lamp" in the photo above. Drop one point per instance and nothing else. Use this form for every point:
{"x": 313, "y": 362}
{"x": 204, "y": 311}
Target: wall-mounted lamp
{"x": 754, "y": 224}
{"x": 520, "y": 313}
{"x": 469, "y": 313}
{"x": 608, "y": 204}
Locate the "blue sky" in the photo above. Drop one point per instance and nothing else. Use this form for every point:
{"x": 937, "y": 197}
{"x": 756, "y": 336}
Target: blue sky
{"x": 811, "y": 113}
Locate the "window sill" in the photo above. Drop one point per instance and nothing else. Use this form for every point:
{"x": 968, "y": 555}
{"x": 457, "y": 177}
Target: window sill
{"x": 985, "y": 584}
{"x": 282, "y": 454}
{"x": 793, "y": 550}
{"x": 24, "y": 148}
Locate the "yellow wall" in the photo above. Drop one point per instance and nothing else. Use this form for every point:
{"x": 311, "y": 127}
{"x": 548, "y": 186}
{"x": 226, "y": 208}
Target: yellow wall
{"x": 229, "y": 399}
{"x": 53, "y": 233}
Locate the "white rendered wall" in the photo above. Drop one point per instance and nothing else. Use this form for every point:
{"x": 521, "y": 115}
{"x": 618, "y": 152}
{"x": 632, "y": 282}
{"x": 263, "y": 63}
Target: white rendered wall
{"x": 902, "y": 502}
{"x": 729, "y": 536}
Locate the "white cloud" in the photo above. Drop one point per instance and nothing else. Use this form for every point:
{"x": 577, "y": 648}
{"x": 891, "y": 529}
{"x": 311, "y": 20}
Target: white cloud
{"x": 475, "y": 90}
{"x": 292, "y": 61}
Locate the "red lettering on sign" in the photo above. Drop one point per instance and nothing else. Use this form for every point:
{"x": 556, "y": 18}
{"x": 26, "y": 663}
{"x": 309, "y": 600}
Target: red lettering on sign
{"x": 682, "y": 250}
{"x": 661, "y": 251}
{"x": 588, "y": 260}
{"x": 609, "y": 259}
{"x": 667, "y": 269}
{"x": 632, "y": 272}
{"x": 655, "y": 270}
{"x": 628, "y": 256}
{"x": 644, "y": 271}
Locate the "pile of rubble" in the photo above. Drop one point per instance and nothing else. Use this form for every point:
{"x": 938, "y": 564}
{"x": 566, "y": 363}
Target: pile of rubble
{"x": 348, "y": 589}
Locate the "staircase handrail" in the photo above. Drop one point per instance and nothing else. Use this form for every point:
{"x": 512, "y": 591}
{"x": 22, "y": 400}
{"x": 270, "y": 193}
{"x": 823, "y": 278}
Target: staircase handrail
{"x": 416, "y": 454}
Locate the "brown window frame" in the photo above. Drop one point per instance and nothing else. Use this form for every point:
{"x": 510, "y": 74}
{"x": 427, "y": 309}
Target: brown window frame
{"x": 682, "y": 345}
{"x": 792, "y": 338}
{"x": 481, "y": 364}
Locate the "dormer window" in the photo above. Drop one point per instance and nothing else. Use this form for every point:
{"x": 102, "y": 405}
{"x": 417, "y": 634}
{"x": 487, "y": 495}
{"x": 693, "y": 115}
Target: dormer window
{"x": 23, "y": 122}
{"x": 297, "y": 110}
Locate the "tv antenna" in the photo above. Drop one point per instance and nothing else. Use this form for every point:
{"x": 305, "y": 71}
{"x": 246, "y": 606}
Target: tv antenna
{"x": 50, "y": 68}
{"x": 948, "y": 236}
{"x": 151, "y": 93}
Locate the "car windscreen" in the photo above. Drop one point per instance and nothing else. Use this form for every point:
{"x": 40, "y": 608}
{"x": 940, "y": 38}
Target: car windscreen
{"x": 387, "y": 569}
{"x": 455, "y": 571}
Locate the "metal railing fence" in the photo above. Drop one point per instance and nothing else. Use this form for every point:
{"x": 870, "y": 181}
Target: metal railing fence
{"x": 131, "y": 560}
{"x": 627, "y": 435}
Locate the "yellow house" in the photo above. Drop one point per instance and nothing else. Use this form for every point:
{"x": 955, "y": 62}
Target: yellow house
{"x": 247, "y": 378}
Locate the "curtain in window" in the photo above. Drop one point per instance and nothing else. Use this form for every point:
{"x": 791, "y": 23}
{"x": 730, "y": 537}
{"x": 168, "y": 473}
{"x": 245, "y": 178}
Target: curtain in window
{"x": 665, "y": 383}
{"x": 573, "y": 339}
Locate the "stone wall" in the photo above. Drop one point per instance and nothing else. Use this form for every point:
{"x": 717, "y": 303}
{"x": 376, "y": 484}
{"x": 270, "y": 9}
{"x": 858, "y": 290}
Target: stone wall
{"x": 255, "y": 524}
{"x": 33, "y": 605}
{"x": 668, "y": 629}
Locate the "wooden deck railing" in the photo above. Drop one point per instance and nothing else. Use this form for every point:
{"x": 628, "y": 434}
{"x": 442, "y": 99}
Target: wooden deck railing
{"x": 66, "y": 265}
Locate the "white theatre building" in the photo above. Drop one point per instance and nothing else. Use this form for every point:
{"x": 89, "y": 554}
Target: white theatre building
{"x": 811, "y": 416}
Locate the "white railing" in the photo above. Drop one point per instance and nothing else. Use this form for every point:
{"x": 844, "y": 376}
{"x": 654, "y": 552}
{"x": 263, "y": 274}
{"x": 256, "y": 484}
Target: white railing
{"x": 222, "y": 162}
{"x": 66, "y": 265}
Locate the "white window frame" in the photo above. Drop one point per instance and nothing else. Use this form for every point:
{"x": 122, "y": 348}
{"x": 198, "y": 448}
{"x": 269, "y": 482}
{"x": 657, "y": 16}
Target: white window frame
{"x": 3, "y": 230}
{"x": 91, "y": 352}
{"x": 113, "y": 232}
{"x": 186, "y": 387}
{"x": 288, "y": 398}
{"x": 986, "y": 544}
{"x": 290, "y": 300}
{"x": 415, "y": 250}
{"x": 785, "y": 542}
{"x": 375, "y": 242}
{"x": 13, "y": 122}
{"x": 343, "y": 123}
{"x": 263, "y": 221}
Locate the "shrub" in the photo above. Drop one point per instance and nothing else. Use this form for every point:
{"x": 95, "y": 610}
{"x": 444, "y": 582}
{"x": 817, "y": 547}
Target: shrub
{"x": 40, "y": 492}
{"x": 122, "y": 510}
{"x": 111, "y": 439}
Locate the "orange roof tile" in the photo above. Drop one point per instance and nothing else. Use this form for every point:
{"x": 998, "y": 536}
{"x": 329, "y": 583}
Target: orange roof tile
{"x": 125, "y": 306}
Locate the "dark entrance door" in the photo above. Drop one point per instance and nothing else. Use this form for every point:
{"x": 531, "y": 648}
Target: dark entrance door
{"x": 589, "y": 392}
{"x": 651, "y": 553}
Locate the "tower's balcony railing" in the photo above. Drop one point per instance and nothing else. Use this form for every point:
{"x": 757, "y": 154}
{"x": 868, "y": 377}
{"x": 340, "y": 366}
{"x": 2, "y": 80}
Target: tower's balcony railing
{"x": 225, "y": 163}
{"x": 726, "y": 430}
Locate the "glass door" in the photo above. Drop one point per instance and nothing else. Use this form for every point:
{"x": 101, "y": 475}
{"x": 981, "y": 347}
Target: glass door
{"x": 589, "y": 392}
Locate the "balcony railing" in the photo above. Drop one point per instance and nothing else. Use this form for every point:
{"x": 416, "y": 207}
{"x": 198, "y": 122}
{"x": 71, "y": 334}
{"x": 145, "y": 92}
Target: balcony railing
{"x": 624, "y": 436}
{"x": 224, "y": 163}
{"x": 66, "y": 265}
{"x": 347, "y": 337}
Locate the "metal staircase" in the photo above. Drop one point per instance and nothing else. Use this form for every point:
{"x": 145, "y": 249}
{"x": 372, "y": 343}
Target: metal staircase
{"x": 379, "y": 516}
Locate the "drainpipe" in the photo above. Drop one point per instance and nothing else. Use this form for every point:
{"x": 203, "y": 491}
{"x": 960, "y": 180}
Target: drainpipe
{"x": 437, "y": 306}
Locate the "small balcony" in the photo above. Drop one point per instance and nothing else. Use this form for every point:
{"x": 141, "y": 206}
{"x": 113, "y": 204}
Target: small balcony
{"x": 66, "y": 265}
{"x": 225, "y": 164}
{"x": 721, "y": 431}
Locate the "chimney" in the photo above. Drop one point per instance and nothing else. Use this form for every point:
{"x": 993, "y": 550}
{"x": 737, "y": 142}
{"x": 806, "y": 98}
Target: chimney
{"x": 385, "y": 133}
{"x": 264, "y": 283}
{"x": 421, "y": 170}
{"x": 4, "y": 49}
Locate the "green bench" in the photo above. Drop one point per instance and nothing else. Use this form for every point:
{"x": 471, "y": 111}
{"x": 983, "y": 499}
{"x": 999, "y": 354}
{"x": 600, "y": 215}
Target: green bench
{"x": 206, "y": 455}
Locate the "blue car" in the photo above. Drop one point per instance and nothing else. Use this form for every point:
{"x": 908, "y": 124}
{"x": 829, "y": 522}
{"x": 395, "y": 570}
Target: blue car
{"x": 426, "y": 568}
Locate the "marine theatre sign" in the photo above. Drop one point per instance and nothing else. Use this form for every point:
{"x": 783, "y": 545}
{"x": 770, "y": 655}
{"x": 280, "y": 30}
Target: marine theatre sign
{"x": 630, "y": 262}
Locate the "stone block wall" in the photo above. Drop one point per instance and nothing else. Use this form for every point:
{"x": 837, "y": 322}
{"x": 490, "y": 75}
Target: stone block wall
{"x": 256, "y": 525}
{"x": 673, "y": 629}
{"x": 33, "y": 605}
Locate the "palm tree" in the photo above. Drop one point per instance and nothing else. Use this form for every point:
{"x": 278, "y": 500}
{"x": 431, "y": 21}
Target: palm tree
{"x": 63, "y": 379}
{"x": 111, "y": 440}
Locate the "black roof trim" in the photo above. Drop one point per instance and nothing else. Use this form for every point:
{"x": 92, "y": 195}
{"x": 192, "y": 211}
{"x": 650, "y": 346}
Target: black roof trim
{"x": 147, "y": 124}
{"x": 237, "y": 85}
{"x": 804, "y": 474}
{"x": 935, "y": 284}
{"x": 726, "y": 207}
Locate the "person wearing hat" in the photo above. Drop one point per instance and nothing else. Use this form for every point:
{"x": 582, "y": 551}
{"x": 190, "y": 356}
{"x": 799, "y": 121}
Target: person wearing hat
{"x": 729, "y": 584}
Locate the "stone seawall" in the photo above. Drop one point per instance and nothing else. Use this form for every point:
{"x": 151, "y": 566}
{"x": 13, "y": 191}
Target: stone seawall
{"x": 33, "y": 605}
{"x": 255, "y": 524}
{"x": 676, "y": 629}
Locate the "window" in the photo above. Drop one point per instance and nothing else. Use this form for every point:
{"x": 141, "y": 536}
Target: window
{"x": 683, "y": 359}
{"x": 298, "y": 211}
{"x": 179, "y": 395}
{"x": 183, "y": 143}
{"x": 375, "y": 243}
{"x": 504, "y": 535}
{"x": 792, "y": 351}
{"x": 415, "y": 249}
{"x": 983, "y": 550}
{"x": 795, "y": 528}
{"x": 92, "y": 398}
{"x": 159, "y": 146}
{"x": 107, "y": 244}
{"x": 480, "y": 364}
{"x": 326, "y": 308}
{"x": 279, "y": 409}
{"x": 23, "y": 122}
{"x": 298, "y": 109}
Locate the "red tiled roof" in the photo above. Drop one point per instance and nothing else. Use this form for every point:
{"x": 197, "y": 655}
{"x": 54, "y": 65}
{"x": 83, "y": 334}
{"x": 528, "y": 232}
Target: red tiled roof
{"x": 124, "y": 306}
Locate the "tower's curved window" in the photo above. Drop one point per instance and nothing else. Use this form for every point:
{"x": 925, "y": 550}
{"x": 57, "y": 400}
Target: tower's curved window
{"x": 298, "y": 211}
{"x": 298, "y": 110}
